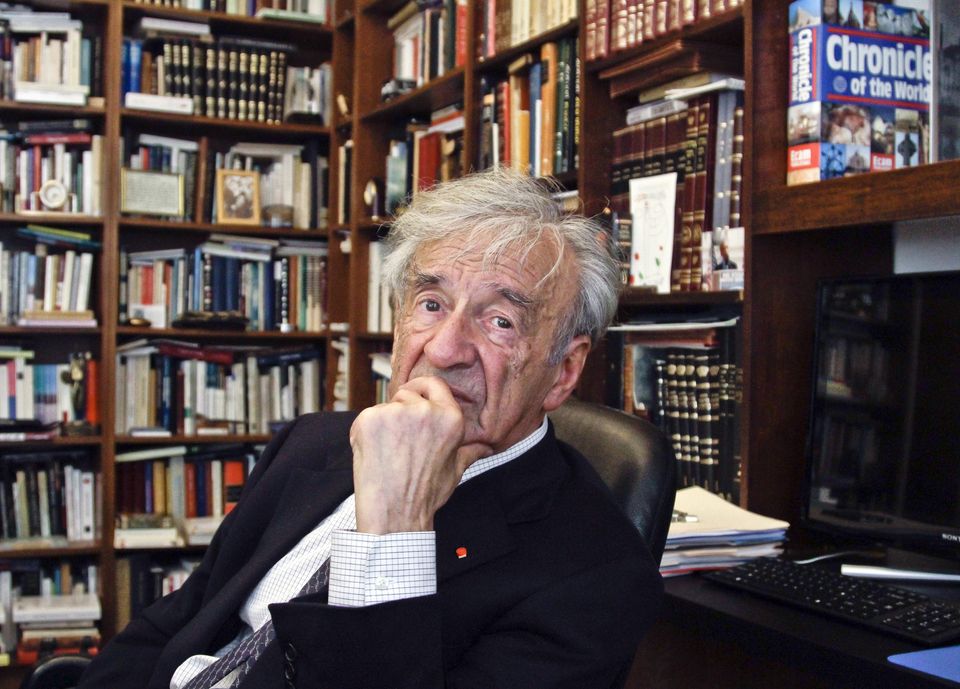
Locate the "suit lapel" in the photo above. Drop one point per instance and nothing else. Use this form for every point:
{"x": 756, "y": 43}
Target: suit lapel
{"x": 474, "y": 526}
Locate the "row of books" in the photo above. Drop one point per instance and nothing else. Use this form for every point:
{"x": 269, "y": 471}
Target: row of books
{"x": 41, "y": 284}
{"x": 48, "y": 607}
{"x": 611, "y": 26}
{"x": 49, "y": 495}
{"x": 679, "y": 174}
{"x": 685, "y": 377}
{"x": 430, "y": 39}
{"x": 48, "y": 394}
{"x": 225, "y": 80}
{"x": 271, "y": 284}
{"x": 502, "y": 24}
{"x": 167, "y": 387}
{"x": 177, "y": 482}
{"x": 429, "y": 152}
{"x": 51, "y": 171}
{"x": 529, "y": 120}
{"x": 142, "y": 578}
{"x": 46, "y": 58}
{"x": 291, "y": 10}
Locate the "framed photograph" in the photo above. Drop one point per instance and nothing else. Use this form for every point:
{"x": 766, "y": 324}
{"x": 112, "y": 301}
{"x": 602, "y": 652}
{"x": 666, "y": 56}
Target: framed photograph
{"x": 151, "y": 193}
{"x": 238, "y": 197}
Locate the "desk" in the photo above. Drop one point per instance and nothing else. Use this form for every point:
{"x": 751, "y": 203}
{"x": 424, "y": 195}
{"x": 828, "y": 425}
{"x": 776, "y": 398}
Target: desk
{"x": 713, "y": 637}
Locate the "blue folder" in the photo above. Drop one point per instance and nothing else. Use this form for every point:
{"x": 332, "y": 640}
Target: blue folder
{"x": 940, "y": 662}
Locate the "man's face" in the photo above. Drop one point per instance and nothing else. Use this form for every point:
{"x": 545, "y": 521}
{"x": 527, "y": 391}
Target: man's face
{"x": 487, "y": 330}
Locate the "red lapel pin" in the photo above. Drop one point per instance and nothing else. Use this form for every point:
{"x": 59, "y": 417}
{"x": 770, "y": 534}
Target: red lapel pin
{"x": 461, "y": 552}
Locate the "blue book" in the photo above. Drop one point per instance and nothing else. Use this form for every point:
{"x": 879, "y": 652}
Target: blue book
{"x": 148, "y": 486}
{"x": 135, "y": 53}
{"x": 267, "y": 296}
{"x": 202, "y": 488}
{"x": 124, "y": 67}
{"x": 535, "y": 102}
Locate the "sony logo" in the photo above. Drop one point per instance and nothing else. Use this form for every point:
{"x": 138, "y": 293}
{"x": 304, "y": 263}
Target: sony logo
{"x": 955, "y": 538}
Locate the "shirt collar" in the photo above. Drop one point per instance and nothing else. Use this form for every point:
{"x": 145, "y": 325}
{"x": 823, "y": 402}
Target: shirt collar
{"x": 512, "y": 452}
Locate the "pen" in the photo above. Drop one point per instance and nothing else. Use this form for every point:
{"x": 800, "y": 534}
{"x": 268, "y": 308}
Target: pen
{"x": 681, "y": 516}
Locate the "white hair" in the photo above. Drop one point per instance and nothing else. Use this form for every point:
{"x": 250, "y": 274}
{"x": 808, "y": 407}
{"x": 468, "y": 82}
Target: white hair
{"x": 517, "y": 212}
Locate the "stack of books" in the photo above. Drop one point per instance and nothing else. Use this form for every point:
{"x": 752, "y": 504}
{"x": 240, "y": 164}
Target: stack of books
{"x": 56, "y": 624}
{"x": 707, "y": 532}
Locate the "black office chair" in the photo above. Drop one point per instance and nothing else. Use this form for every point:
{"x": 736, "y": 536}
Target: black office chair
{"x": 633, "y": 457}
{"x": 56, "y": 672}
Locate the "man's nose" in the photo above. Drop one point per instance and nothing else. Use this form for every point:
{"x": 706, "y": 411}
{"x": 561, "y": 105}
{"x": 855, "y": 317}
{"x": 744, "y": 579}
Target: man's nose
{"x": 452, "y": 343}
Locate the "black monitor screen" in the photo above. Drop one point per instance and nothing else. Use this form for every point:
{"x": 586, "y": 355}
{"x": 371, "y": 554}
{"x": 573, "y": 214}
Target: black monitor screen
{"x": 884, "y": 441}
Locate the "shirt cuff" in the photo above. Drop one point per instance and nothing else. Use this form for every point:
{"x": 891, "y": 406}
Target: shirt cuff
{"x": 366, "y": 569}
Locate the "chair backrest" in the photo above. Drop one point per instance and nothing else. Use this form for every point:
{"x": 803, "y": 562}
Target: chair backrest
{"x": 632, "y": 456}
{"x": 56, "y": 672}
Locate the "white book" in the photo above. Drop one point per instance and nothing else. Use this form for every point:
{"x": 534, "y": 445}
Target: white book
{"x": 151, "y": 453}
{"x": 180, "y": 105}
{"x": 70, "y": 494}
{"x": 85, "y": 275}
{"x": 216, "y": 488}
{"x": 173, "y": 26}
{"x": 96, "y": 192}
{"x": 50, "y": 282}
{"x": 160, "y": 537}
{"x": 65, "y": 607}
{"x": 44, "y": 503}
{"x": 169, "y": 142}
{"x": 265, "y": 150}
{"x": 221, "y": 250}
{"x": 66, "y": 293}
{"x": 87, "y": 505}
{"x": 375, "y": 261}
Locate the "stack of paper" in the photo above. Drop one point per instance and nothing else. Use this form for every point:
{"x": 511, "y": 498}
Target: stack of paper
{"x": 716, "y": 534}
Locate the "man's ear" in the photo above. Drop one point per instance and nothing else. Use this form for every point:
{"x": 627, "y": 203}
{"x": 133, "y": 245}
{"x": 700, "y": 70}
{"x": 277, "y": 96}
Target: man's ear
{"x": 568, "y": 372}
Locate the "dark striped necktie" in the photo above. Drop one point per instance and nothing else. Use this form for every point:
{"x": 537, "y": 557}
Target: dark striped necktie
{"x": 246, "y": 654}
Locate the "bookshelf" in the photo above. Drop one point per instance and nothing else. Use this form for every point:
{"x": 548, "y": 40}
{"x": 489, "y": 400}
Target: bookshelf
{"x": 795, "y": 235}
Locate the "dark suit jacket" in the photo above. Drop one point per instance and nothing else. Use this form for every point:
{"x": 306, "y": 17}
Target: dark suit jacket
{"x": 555, "y": 591}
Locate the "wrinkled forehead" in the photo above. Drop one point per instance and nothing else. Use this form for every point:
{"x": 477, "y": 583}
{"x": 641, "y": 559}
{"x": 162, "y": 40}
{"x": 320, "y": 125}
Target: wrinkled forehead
{"x": 533, "y": 260}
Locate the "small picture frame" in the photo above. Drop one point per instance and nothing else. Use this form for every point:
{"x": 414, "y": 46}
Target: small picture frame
{"x": 238, "y": 197}
{"x": 148, "y": 192}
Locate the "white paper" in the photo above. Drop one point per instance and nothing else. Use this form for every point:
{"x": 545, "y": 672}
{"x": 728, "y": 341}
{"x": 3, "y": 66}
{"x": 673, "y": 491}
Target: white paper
{"x": 652, "y": 203}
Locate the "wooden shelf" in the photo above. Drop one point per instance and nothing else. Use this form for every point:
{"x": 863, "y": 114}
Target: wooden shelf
{"x": 206, "y": 228}
{"x": 36, "y": 110}
{"x": 635, "y": 297}
{"x": 286, "y": 130}
{"x": 59, "y": 441}
{"x": 191, "y": 439}
{"x": 438, "y": 93}
{"x": 233, "y": 336}
{"x": 20, "y": 330}
{"x": 870, "y": 199}
{"x": 25, "y": 549}
{"x": 51, "y": 219}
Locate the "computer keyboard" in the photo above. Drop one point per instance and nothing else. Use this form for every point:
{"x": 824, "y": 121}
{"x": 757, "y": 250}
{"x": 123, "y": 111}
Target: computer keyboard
{"x": 879, "y": 606}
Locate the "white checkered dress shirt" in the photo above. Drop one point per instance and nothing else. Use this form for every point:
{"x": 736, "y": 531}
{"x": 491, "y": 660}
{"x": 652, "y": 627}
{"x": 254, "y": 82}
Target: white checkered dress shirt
{"x": 364, "y": 568}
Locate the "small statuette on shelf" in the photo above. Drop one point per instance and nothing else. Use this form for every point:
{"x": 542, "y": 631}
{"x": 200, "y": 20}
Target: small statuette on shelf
{"x": 373, "y": 198}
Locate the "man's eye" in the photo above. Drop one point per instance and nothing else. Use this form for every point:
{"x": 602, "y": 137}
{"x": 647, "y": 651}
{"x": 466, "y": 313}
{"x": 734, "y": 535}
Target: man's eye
{"x": 431, "y": 305}
{"x": 502, "y": 322}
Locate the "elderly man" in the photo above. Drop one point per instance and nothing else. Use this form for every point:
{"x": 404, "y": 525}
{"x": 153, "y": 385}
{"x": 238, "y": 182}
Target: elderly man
{"x": 444, "y": 538}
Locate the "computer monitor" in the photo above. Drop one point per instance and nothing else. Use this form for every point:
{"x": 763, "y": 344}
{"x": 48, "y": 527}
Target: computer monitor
{"x": 883, "y": 446}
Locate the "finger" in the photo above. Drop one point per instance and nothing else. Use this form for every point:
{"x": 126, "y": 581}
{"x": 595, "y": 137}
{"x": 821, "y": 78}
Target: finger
{"x": 431, "y": 388}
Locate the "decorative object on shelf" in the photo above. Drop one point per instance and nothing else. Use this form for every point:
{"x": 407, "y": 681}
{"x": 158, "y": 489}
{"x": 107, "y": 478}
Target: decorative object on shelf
{"x": 151, "y": 193}
{"x": 373, "y": 198}
{"x": 238, "y": 197}
{"x": 53, "y": 195}
{"x": 76, "y": 377}
{"x": 396, "y": 87}
{"x": 278, "y": 215}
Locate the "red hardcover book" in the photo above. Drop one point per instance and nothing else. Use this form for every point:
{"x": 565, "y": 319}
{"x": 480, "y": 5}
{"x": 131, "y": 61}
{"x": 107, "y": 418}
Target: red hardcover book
{"x": 190, "y": 487}
{"x": 603, "y": 28}
{"x": 93, "y": 392}
{"x": 59, "y": 138}
{"x": 215, "y": 356}
{"x": 234, "y": 476}
{"x": 460, "y": 37}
